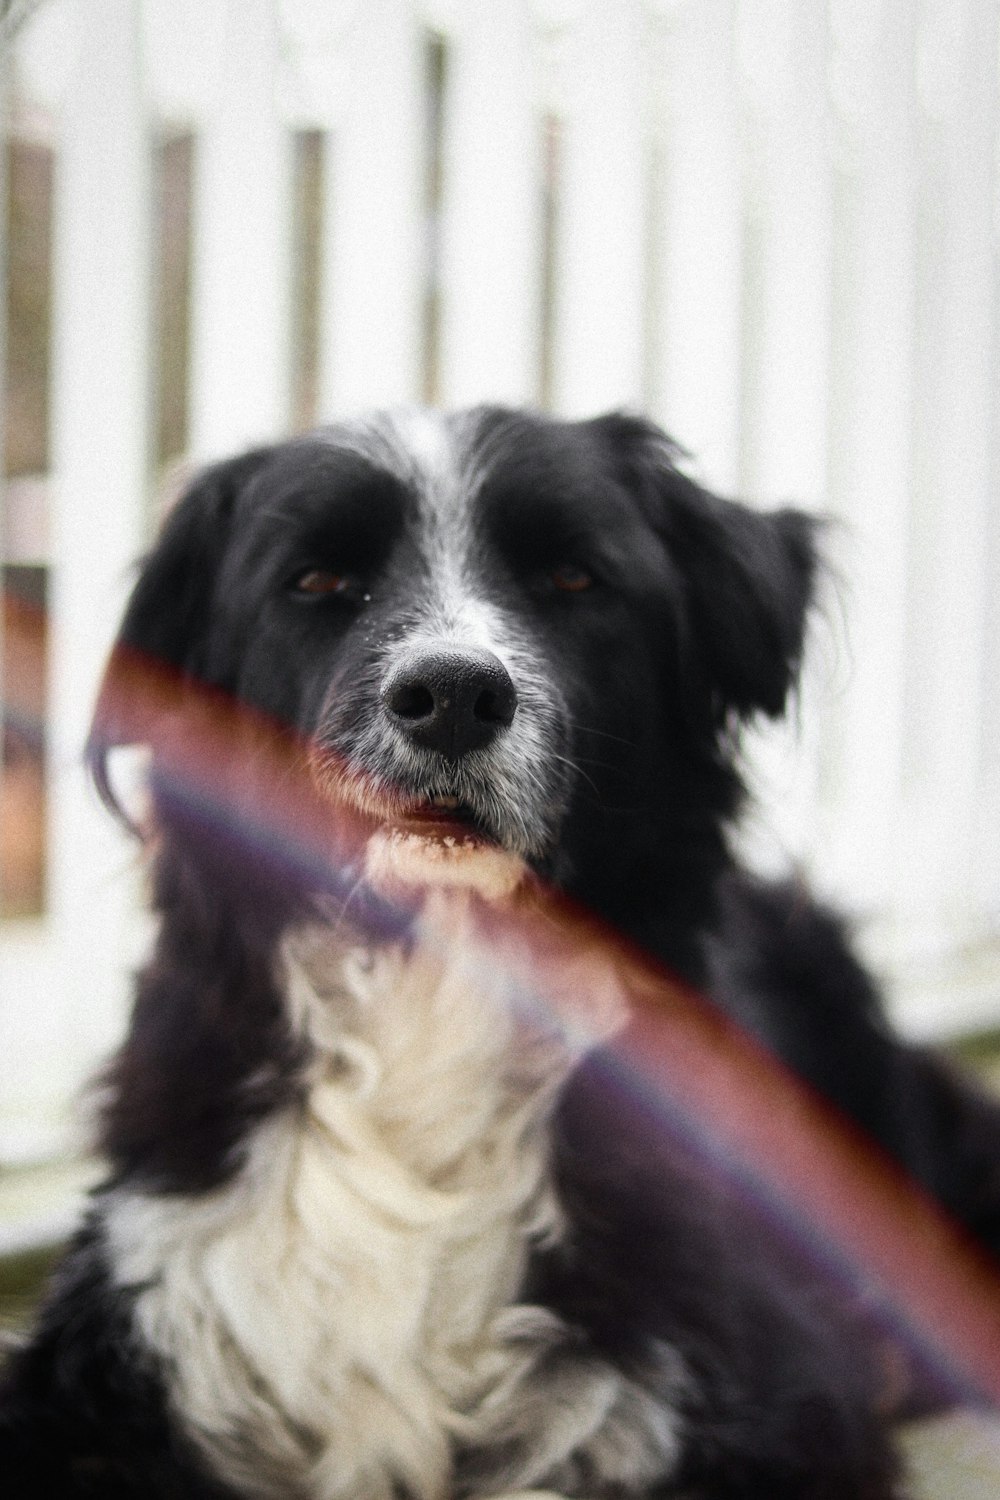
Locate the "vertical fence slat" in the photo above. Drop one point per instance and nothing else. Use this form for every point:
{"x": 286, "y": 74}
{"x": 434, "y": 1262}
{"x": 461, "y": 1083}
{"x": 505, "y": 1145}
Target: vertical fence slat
{"x": 699, "y": 234}
{"x": 4, "y": 271}
{"x": 871, "y": 412}
{"x": 10, "y": 1062}
{"x": 99, "y": 426}
{"x": 492, "y": 203}
{"x": 374, "y": 243}
{"x": 956, "y": 371}
{"x": 599, "y": 313}
{"x": 241, "y": 331}
{"x": 783, "y": 57}
{"x": 986, "y": 853}
{"x": 983, "y": 892}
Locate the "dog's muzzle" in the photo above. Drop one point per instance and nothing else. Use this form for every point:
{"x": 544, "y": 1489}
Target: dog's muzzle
{"x": 448, "y": 750}
{"x": 447, "y": 701}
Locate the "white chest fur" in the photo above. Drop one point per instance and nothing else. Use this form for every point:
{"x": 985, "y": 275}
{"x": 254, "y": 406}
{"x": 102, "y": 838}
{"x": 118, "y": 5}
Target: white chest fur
{"x": 332, "y": 1316}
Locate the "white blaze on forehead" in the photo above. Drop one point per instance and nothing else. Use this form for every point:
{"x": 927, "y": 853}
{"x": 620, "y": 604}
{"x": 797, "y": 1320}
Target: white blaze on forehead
{"x": 445, "y": 465}
{"x": 421, "y": 448}
{"x": 436, "y": 457}
{"x": 428, "y": 443}
{"x": 455, "y": 607}
{"x": 445, "y": 480}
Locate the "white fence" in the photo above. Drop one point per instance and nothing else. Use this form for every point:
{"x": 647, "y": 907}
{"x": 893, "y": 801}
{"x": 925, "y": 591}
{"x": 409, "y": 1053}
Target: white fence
{"x": 770, "y": 223}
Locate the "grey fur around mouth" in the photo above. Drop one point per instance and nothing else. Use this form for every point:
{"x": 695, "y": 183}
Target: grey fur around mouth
{"x": 488, "y": 808}
{"x": 516, "y": 790}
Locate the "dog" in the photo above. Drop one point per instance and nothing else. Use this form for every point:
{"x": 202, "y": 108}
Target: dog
{"x": 444, "y": 714}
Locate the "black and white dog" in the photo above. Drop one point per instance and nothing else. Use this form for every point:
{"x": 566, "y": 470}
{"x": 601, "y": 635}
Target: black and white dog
{"x": 378, "y": 1220}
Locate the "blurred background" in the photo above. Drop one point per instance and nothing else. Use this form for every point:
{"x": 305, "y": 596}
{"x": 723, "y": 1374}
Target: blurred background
{"x": 771, "y": 224}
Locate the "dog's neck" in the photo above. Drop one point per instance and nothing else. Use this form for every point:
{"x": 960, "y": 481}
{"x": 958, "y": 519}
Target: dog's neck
{"x": 436, "y": 1048}
{"x": 353, "y": 1277}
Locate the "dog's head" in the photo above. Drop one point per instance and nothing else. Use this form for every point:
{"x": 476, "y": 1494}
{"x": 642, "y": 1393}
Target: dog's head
{"x": 492, "y": 630}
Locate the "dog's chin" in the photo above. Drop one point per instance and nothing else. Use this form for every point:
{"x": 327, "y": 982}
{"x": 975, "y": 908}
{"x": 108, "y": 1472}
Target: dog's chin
{"x": 427, "y": 853}
{"x": 408, "y": 843}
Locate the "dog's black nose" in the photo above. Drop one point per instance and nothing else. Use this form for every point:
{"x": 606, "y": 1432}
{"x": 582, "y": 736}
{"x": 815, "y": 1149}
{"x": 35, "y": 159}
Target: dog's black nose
{"x": 451, "y": 701}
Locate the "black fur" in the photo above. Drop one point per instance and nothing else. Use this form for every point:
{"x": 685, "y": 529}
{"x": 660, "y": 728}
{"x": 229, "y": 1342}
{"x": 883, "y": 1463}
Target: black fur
{"x": 694, "y": 623}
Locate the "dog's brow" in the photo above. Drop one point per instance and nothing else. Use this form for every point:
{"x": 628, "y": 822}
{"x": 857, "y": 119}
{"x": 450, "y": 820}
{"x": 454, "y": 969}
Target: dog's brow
{"x": 412, "y": 445}
{"x": 428, "y": 443}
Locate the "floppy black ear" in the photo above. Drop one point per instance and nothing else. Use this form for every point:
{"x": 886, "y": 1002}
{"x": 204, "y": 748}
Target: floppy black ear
{"x": 747, "y": 576}
{"x": 167, "y": 614}
{"x": 162, "y": 636}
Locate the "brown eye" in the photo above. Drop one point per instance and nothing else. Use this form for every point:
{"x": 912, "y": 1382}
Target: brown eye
{"x": 318, "y": 581}
{"x": 570, "y": 579}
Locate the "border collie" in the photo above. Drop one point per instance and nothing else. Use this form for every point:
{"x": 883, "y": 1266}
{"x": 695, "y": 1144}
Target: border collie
{"x": 444, "y": 717}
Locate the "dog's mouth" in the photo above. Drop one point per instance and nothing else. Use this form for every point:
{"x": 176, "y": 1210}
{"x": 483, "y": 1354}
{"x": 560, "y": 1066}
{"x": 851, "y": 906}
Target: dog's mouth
{"x": 442, "y": 817}
{"x": 439, "y": 842}
{"x": 422, "y": 838}
{"x": 431, "y": 812}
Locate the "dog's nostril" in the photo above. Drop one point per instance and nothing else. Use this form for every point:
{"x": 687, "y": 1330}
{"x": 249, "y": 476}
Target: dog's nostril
{"x": 412, "y": 701}
{"x": 495, "y": 707}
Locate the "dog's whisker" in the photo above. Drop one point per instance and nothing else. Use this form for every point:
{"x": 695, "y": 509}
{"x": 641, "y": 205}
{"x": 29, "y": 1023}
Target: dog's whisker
{"x": 576, "y": 766}
{"x": 602, "y": 734}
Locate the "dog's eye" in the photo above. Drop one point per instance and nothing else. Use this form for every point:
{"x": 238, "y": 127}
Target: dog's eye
{"x": 570, "y": 579}
{"x": 316, "y": 581}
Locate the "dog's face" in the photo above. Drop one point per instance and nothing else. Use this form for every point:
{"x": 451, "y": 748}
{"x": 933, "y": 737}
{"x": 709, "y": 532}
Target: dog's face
{"x": 489, "y": 628}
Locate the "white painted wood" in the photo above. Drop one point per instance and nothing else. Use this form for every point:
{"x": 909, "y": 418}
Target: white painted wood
{"x": 783, "y": 56}
{"x": 491, "y": 264}
{"x": 955, "y": 463}
{"x": 314, "y": 64}
{"x": 99, "y": 427}
{"x": 375, "y": 238}
{"x": 45, "y": 49}
{"x": 870, "y": 432}
{"x": 986, "y": 854}
{"x": 783, "y": 61}
{"x": 4, "y": 537}
{"x": 600, "y": 294}
{"x": 184, "y": 55}
{"x": 240, "y": 339}
{"x": 698, "y": 355}
{"x": 5, "y": 83}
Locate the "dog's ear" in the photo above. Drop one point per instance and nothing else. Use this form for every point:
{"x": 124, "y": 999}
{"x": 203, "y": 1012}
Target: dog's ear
{"x": 747, "y": 576}
{"x": 749, "y": 579}
{"x": 160, "y": 645}
{"x": 167, "y": 614}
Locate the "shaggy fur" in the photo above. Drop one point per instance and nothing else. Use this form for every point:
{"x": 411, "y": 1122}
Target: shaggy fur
{"x": 380, "y": 1218}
